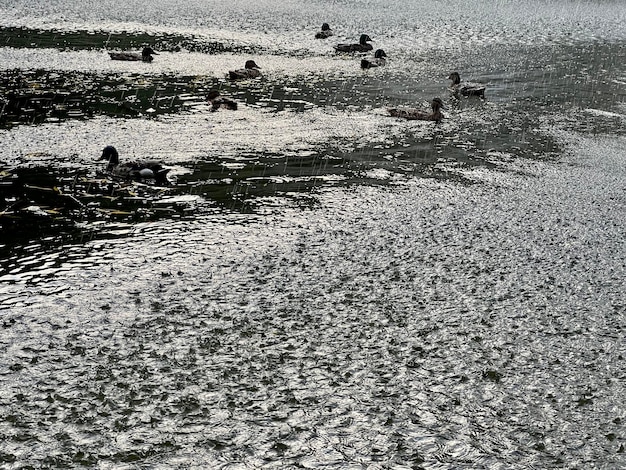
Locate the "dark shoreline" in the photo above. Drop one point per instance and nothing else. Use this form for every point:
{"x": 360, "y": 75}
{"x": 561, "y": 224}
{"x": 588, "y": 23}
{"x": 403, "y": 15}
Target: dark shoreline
{"x": 101, "y": 40}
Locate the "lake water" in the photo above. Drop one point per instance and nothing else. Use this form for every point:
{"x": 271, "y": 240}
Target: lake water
{"x": 323, "y": 286}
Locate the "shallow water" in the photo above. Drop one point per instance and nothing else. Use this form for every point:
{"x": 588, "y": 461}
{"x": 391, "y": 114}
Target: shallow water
{"x": 323, "y": 286}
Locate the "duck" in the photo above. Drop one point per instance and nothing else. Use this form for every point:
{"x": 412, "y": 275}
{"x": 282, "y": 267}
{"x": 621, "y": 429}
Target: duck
{"x": 138, "y": 171}
{"x": 362, "y": 46}
{"x": 465, "y": 89}
{"x": 250, "y": 70}
{"x": 145, "y": 56}
{"x": 326, "y": 32}
{"x": 217, "y": 101}
{"x": 420, "y": 115}
{"x": 378, "y": 60}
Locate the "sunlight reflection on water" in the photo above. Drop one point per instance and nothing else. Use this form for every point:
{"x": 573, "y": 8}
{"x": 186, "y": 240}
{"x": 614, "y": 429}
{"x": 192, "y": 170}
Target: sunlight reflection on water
{"x": 456, "y": 302}
{"x": 304, "y": 340}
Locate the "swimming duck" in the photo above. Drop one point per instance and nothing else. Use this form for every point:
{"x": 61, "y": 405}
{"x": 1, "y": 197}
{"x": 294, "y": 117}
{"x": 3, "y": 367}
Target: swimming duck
{"x": 251, "y": 70}
{"x": 465, "y": 89}
{"x": 378, "y": 60}
{"x": 416, "y": 114}
{"x": 146, "y": 55}
{"x": 326, "y": 32}
{"x": 138, "y": 171}
{"x": 362, "y": 46}
{"x": 217, "y": 101}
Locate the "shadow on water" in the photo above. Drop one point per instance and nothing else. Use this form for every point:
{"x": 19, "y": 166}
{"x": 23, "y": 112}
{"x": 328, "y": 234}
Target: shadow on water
{"x": 89, "y": 40}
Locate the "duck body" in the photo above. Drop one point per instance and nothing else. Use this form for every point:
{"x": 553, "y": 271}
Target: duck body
{"x": 250, "y": 70}
{"x": 413, "y": 114}
{"x": 145, "y": 56}
{"x": 326, "y": 32}
{"x": 217, "y": 101}
{"x": 362, "y": 46}
{"x": 138, "y": 171}
{"x": 379, "y": 60}
{"x": 465, "y": 89}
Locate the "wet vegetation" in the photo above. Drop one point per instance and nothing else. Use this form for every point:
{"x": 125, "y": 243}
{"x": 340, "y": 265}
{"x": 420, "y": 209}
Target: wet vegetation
{"x": 31, "y": 97}
{"x": 89, "y": 40}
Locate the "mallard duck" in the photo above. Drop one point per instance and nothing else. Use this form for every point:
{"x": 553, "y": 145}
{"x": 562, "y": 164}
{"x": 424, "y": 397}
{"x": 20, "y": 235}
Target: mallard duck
{"x": 146, "y": 55}
{"x": 251, "y": 70}
{"x": 326, "y": 32}
{"x": 465, "y": 89}
{"x": 378, "y": 60}
{"x": 362, "y": 46}
{"x": 420, "y": 115}
{"x": 138, "y": 171}
{"x": 217, "y": 101}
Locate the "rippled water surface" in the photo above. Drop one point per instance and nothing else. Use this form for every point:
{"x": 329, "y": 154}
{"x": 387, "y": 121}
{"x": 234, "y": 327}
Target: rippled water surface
{"x": 322, "y": 285}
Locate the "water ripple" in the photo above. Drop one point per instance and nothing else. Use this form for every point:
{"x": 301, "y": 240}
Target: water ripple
{"x": 471, "y": 317}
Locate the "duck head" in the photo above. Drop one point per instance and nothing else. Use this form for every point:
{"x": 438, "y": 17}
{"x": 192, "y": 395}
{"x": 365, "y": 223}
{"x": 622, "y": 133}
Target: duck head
{"x": 251, "y": 64}
{"x": 212, "y": 95}
{"x": 437, "y": 104}
{"x": 364, "y": 39}
{"x": 325, "y": 27}
{"x": 110, "y": 154}
{"x": 379, "y": 54}
{"x": 146, "y": 54}
{"x": 455, "y": 77}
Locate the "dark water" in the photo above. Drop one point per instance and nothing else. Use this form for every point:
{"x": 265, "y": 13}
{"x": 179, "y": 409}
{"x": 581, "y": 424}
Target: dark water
{"x": 322, "y": 286}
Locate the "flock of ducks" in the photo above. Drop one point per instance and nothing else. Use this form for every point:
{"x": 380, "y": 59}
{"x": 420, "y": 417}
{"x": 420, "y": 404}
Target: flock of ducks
{"x": 154, "y": 171}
